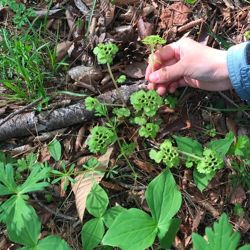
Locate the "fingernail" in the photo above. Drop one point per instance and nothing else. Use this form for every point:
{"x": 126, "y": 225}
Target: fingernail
{"x": 154, "y": 77}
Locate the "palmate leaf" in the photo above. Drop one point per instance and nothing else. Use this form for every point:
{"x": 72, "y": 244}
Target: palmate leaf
{"x": 33, "y": 183}
{"x": 8, "y": 185}
{"x": 221, "y": 237}
{"x": 17, "y": 212}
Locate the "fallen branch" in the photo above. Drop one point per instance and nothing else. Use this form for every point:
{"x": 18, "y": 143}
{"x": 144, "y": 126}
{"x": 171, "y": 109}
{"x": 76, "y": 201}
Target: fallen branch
{"x": 33, "y": 123}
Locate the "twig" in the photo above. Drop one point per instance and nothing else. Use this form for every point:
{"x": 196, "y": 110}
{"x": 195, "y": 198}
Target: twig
{"x": 19, "y": 111}
{"x": 234, "y": 104}
{"x": 59, "y": 215}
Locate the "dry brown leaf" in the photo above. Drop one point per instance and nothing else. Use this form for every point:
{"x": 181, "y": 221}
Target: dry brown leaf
{"x": 238, "y": 196}
{"x": 135, "y": 70}
{"x": 144, "y": 28}
{"x": 62, "y": 50}
{"x": 85, "y": 181}
{"x": 85, "y": 74}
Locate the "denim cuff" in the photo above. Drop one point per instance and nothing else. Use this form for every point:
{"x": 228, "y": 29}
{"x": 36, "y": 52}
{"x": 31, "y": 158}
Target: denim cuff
{"x": 239, "y": 69}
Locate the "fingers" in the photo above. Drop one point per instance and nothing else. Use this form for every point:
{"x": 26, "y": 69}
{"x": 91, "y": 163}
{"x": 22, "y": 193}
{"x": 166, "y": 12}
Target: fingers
{"x": 167, "y": 74}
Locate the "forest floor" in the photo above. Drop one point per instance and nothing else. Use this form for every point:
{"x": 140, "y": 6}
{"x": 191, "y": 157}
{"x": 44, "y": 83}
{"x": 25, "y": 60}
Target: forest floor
{"x": 48, "y": 68}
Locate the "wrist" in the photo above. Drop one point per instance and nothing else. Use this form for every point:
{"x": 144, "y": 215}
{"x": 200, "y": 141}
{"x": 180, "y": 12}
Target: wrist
{"x": 238, "y": 64}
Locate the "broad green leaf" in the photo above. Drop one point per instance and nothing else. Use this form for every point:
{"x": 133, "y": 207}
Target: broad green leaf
{"x": 132, "y": 230}
{"x": 97, "y": 201}
{"x": 7, "y": 179}
{"x": 92, "y": 233}
{"x": 29, "y": 234}
{"x": 17, "y": 212}
{"x": 222, "y": 146}
{"x": 52, "y": 242}
{"x": 32, "y": 182}
{"x": 199, "y": 242}
{"x": 111, "y": 214}
{"x": 164, "y": 199}
{"x": 167, "y": 239}
{"x": 55, "y": 149}
{"x": 189, "y": 145}
{"x": 202, "y": 180}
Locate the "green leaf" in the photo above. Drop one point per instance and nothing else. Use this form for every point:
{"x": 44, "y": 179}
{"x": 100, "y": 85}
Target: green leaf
{"x": 199, "y": 242}
{"x": 155, "y": 155}
{"x": 35, "y": 182}
{"x": 111, "y": 214}
{"x": 52, "y": 242}
{"x": 222, "y": 146}
{"x": 164, "y": 199}
{"x": 202, "y": 180}
{"x": 221, "y": 236}
{"x": 92, "y": 233}
{"x": 189, "y": 145}
{"x": 132, "y": 230}
{"x": 97, "y": 201}
{"x": 167, "y": 239}
{"x": 17, "y": 212}
{"x": 7, "y": 178}
{"x": 246, "y": 247}
{"x": 29, "y": 234}
{"x": 55, "y": 149}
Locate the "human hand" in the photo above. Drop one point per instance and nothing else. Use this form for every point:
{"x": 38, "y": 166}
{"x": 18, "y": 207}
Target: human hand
{"x": 188, "y": 63}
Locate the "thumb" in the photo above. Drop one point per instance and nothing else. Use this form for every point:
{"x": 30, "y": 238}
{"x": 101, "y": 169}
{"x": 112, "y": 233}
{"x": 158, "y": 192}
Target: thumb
{"x": 168, "y": 74}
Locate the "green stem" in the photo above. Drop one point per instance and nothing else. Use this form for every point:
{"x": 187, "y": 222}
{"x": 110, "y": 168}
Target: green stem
{"x": 190, "y": 155}
{"x": 116, "y": 86}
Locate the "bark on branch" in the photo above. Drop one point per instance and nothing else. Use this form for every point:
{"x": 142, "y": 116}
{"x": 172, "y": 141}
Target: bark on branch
{"x": 33, "y": 123}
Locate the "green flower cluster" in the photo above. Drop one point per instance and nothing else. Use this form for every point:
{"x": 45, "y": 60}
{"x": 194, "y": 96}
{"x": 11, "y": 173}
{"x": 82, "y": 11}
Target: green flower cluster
{"x": 149, "y": 130}
{"x": 167, "y": 154}
{"x": 210, "y": 162}
{"x": 101, "y": 137}
{"x": 105, "y": 52}
{"x": 149, "y": 101}
{"x": 153, "y": 40}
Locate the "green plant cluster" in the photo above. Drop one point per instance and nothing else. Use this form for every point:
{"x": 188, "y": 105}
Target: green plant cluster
{"x": 101, "y": 137}
{"x": 23, "y": 224}
{"x": 147, "y": 102}
{"x": 22, "y": 14}
{"x": 167, "y": 154}
{"x": 133, "y": 228}
{"x": 210, "y": 162}
{"x": 105, "y": 52}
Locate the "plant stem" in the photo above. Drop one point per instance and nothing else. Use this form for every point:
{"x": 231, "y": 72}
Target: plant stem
{"x": 116, "y": 86}
{"x": 190, "y": 155}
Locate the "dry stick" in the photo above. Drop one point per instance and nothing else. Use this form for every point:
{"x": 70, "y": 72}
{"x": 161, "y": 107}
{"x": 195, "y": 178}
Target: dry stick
{"x": 62, "y": 216}
{"x": 233, "y": 103}
{"x": 20, "y": 111}
{"x": 114, "y": 81}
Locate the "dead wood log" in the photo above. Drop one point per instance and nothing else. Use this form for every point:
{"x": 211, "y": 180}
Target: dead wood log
{"x": 33, "y": 123}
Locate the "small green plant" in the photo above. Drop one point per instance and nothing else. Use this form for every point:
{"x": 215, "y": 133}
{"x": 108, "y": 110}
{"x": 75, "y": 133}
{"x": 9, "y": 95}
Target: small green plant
{"x": 105, "y": 54}
{"x": 133, "y": 228}
{"x": 22, "y": 14}
{"x": 15, "y": 211}
{"x": 247, "y": 35}
{"x": 192, "y": 2}
{"x": 152, "y": 42}
{"x": 170, "y": 101}
{"x": 121, "y": 79}
{"x": 221, "y": 236}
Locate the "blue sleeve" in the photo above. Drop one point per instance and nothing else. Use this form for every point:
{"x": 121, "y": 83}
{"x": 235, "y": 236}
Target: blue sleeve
{"x": 238, "y": 63}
